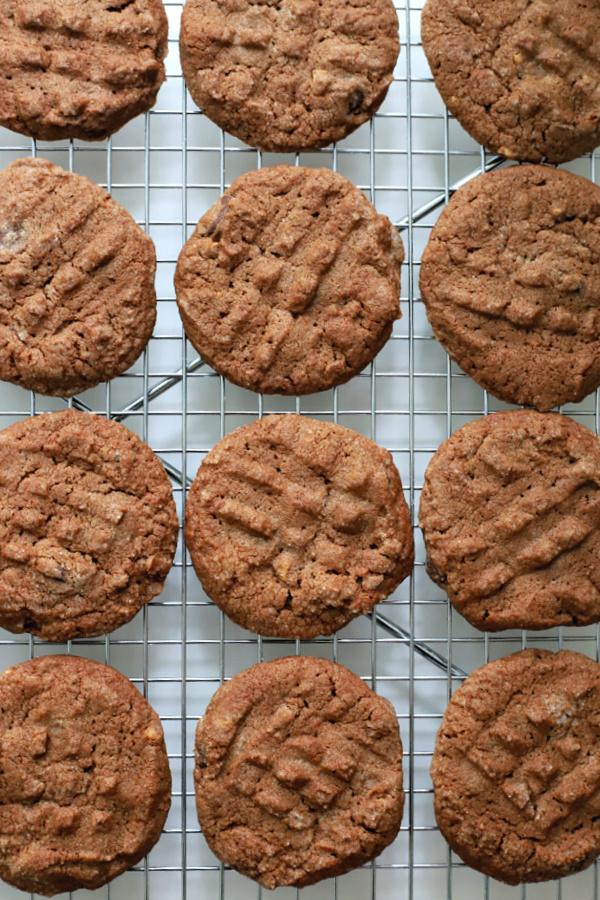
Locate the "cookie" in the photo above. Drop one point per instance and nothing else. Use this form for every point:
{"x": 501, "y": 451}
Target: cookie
{"x": 88, "y": 527}
{"x": 79, "y": 70}
{"x": 296, "y": 526}
{"x": 515, "y": 770}
{"x": 510, "y": 280}
{"x": 85, "y": 785}
{"x": 290, "y": 283}
{"x": 521, "y": 76}
{"x": 510, "y": 514}
{"x": 288, "y": 76}
{"x": 298, "y": 772}
{"x": 77, "y": 298}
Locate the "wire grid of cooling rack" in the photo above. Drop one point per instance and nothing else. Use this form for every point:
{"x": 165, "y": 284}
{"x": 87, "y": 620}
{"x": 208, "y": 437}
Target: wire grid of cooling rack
{"x": 167, "y": 168}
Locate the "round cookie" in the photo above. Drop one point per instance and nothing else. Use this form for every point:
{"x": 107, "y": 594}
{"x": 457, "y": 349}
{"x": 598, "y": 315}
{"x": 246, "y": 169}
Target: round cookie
{"x": 88, "y": 527}
{"x": 521, "y": 76}
{"x": 511, "y": 282}
{"x": 79, "y": 70}
{"x": 510, "y": 514}
{"x": 290, "y": 283}
{"x": 298, "y": 772}
{"x": 77, "y": 298}
{"x": 296, "y": 526}
{"x": 85, "y": 785}
{"x": 289, "y": 76}
{"x": 515, "y": 771}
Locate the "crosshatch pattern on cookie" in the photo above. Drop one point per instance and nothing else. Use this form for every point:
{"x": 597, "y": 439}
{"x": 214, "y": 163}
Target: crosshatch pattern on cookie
{"x": 296, "y": 526}
{"x": 298, "y": 772}
{"x": 88, "y": 527}
{"x": 290, "y": 283}
{"x": 521, "y": 77}
{"x": 510, "y": 511}
{"x": 85, "y": 785}
{"x": 516, "y": 769}
{"x": 79, "y": 70}
{"x": 510, "y": 280}
{"x": 289, "y": 75}
{"x": 77, "y": 297}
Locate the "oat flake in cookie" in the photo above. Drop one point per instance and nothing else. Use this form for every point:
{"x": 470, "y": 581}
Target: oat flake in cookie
{"x": 85, "y": 785}
{"x": 289, "y": 75}
{"x": 521, "y": 76}
{"x": 77, "y": 298}
{"x": 290, "y": 284}
{"x": 88, "y": 527}
{"x": 298, "y": 772}
{"x": 516, "y": 771}
{"x": 510, "y": 514}
{"x": 72, "y": 69}
{"x": 297, "y": 526}
{"x": 511, "y": 282}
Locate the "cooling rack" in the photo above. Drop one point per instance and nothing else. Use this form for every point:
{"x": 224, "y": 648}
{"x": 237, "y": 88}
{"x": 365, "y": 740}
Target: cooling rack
{"x": 167, "y": 168}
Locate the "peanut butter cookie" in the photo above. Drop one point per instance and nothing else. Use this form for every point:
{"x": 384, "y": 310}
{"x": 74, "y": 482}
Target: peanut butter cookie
{"x": 79, "y": 70}
{"x": 77, "y": 298}
{"x": 88, "y": 527}
{"x": 297, "y": 526}
{"x": 521, "y": 76}
{"x": 510, "y": 279}
{"x": 292, "y": 74}
{"x": 85, "y": 785}
{"x": 290, "y": 284}
{"x": 516, "y": 772}
{"x": 298, "y": 772}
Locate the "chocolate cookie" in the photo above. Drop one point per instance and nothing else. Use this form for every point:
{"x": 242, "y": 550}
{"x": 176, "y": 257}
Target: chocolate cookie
{"x": 290, "y": 283}
{"x": 521, "y": 76}
{"x": 516, "y": 771}
{"x": 298, "y": 772}
{"x": 510, "y": 514}
{"x": 77, "y": 299}
{"x": 511, "y": 282}
{"x": 85, "y": 785}
{"x": 88, "y": 527}
{"x": 297, "y": 526}
{"x": 292, "y": 75}
{"x": 79, "y": 70}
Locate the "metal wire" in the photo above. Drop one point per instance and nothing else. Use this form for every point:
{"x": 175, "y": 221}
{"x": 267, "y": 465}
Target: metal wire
{"x": 167, "y": 168}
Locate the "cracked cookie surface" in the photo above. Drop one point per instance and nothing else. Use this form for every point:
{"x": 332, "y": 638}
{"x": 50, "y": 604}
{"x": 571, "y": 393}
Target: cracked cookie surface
{"x": 521, "y": 76}
{"x": 88, "y": 527}
{"x": 510, "y": 515}
{"x": 289, "y": 75}
{"x": 290, "y": 284}
{"x": 77, "y": 298}
{"x": 510, "y": 280}
{"x": 85, "y": 785}
{"x": 298, "y": 772}
{"x": 296, "y": 526}
{"x": 516, "y": 767}
{"x": 79, "y": 70}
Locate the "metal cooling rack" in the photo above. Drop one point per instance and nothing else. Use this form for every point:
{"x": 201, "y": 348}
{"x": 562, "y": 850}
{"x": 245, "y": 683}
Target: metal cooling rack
{"x": 167, "y": 168}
